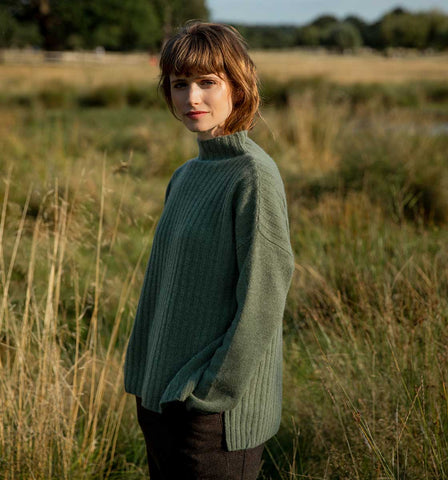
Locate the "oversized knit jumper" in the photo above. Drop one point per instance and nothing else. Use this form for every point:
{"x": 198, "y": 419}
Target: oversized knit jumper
{"x": 208, "y": 327}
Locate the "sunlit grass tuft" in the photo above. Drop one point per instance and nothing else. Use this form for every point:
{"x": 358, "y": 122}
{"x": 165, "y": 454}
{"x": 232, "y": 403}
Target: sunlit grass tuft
{"x": 61, "y": 381}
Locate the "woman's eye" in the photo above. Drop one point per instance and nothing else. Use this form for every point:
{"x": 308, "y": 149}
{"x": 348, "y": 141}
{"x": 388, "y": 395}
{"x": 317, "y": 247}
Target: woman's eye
{"x": 179, "y": 85}
{"x": 208, "y": 82}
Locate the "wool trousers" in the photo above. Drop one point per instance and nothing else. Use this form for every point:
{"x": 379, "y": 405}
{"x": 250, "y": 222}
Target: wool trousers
{"x": 183, "y": 445}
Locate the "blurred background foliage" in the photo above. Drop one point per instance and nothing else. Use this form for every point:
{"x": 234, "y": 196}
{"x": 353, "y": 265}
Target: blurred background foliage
{"x": 113, "y": 24}
{"x": 128, "y": 25}
{"x": 397, "y": 28}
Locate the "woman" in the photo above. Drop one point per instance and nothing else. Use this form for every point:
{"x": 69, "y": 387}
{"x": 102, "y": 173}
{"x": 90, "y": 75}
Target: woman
{"x": 205, "y": 355}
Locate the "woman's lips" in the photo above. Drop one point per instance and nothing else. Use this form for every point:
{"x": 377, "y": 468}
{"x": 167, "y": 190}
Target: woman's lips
{"x": 195, "y": 114}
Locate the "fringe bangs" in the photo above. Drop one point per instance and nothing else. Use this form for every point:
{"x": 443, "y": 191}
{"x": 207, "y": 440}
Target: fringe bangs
{"x": 192, "y": 53}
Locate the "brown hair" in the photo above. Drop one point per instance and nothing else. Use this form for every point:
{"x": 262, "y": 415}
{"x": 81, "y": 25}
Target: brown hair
{"x": 214, "y": 48}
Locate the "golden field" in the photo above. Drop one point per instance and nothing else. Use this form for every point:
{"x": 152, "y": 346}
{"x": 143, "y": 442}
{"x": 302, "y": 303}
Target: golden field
{"x": 282, "y": 65}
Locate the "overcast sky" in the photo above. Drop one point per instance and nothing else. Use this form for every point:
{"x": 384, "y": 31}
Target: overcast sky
{"x": 297, "y": 12}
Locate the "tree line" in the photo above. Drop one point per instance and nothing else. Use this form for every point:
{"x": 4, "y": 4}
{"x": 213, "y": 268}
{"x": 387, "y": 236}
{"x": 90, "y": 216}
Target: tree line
{"x": 128, "y": 25}
{"x": 123, "y": 25}
{"x": 397, "y": 28}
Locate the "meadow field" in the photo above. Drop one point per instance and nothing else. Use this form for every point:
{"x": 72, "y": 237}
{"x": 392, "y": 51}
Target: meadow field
{"x": 86, "y": 152}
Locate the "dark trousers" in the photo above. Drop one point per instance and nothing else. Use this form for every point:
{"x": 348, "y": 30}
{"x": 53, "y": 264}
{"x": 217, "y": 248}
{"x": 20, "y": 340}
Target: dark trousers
{"x": 183, "y": 445}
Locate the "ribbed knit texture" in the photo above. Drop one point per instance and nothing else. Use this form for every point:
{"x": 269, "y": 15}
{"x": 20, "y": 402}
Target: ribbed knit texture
{"x": 208, "y": 328}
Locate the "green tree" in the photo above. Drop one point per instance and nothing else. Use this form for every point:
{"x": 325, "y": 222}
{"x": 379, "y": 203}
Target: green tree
{"x": 121, "y": 25}
{"x": 43, "y": 14}
{"x": 174, "y": 13}
{"x": 361, "y": 25}
{"x": 268, "y": 36}
{"x": 405, "y": 30}
{"x": 343, "y": 36}
{"x": 438, "y": 34}
{"x": 114, "y": 24}
{"x": 308, "y": 36}
{"x": 8, "y": 28}
{"x": 358, "y": 22}
{"x": 324, "y": 21}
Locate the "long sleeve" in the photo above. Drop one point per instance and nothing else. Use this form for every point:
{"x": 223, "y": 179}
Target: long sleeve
{"x": 265, "y": 264}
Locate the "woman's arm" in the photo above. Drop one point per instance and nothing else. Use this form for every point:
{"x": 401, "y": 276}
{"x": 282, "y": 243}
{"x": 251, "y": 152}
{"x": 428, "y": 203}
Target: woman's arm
{"x": 266, "y": 264}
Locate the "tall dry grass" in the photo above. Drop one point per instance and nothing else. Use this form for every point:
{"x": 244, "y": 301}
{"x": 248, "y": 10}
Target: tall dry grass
{"x": 61, "y": 381}
{"x": 366, "y": 349}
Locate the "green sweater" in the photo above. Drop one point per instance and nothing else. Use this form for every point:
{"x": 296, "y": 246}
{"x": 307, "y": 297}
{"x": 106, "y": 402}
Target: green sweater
{"x": 208, "y": 327}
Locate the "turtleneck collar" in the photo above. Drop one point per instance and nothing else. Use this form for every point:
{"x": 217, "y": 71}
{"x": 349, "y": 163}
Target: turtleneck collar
{"x": 224, "y": 146}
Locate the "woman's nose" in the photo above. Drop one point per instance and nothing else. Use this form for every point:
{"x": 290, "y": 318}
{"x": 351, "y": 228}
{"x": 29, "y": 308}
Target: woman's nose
{"x": 194, "y": 94}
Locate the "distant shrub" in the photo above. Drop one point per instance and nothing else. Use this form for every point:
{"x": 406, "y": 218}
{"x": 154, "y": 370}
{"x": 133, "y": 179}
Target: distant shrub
{"x": 275, "y": 93}
{"x": 21, "y": 99}
{"x": 56, "y": 95}
{"x": 145, "y": 96}
{"x": 59, "y": 95}
{"x": 104, "y": 96}
{"x": 412, "y": 94}
{"x": 436, "y": 92}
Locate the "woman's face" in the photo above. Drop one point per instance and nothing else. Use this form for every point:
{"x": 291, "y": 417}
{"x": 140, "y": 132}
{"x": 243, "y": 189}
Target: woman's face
{"x": 202, "y": 101}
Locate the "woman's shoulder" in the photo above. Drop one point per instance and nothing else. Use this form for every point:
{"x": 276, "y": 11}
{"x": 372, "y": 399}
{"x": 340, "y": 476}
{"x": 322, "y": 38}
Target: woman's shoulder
{"x": 262, "y": 193}
{"x": 260, "y": 166}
